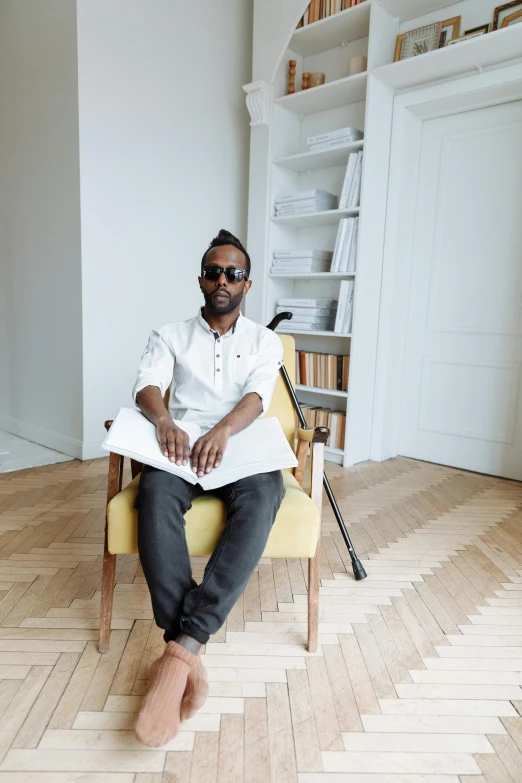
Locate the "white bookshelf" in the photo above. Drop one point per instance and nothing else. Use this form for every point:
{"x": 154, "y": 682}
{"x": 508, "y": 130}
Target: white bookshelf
{"x": 465, "y": 57}
{"x": 302, "y": 333}
{"x": 331, "y": 32}
{"x": 281, "y": 163}
{"x": 314, "y": 276}
{"x": 317, "y": 390}
{"x": 332, "y": 216}
{"x": 307, "y": 161}
{"x": 327, "y": 96}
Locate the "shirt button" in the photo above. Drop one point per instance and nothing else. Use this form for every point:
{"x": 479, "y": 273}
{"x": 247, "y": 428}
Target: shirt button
{"x": 218, "y": 341}
{"x": 217, "y": 356}
{"x": 217, "y": 370}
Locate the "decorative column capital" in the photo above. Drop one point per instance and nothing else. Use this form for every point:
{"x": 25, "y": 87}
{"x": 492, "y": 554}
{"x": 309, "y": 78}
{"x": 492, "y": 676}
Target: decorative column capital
{"x": 257, "y": 100}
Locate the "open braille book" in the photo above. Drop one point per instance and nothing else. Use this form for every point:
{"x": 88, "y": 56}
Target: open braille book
{"x": 260, "y": 448}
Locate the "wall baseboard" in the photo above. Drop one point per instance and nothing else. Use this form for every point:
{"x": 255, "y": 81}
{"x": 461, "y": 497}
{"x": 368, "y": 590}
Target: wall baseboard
{"x": 93, "y": 451}
{"x": 52, "y": 440}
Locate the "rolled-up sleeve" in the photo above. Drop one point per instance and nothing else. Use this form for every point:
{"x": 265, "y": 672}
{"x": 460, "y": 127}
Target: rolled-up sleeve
{"x": 156, "y": 366}
{"x": 263, "y": 377}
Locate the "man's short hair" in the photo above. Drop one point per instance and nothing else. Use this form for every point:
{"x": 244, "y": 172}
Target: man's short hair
{"x": 226, "y": 238}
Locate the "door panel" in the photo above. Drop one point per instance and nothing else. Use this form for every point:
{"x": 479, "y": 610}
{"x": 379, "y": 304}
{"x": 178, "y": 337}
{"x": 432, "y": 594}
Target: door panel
{"x": 461, "y": 398}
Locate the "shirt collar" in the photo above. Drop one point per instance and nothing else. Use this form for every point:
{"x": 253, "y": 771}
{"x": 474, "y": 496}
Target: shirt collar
{"x": 207, "y": 328}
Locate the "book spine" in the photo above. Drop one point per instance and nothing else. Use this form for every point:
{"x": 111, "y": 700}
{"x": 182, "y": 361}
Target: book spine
{"x": 299, "y": 312}
{"x": 341, "y": 307}
{"x": 302, "y": 210}
{"x": 341, "y": 233}
{"x": 315, "y": 8}
{"x": 302, "y": 368}
{"x": 339, "y": 376}
{"x": 348, "y": 179}
{"x": 345, "y": 252}
{"x": 303, "y": 194}
{"x": 307, "y": 302}
{"x": 333, "y": 135}
{"x": 331, "y": 145}
{"x": 352, "y": 260}
{"x": 355, "y": 190}
{"x": 319, "y": 254}
{"x": 347, "y": 317}
{"x": 306, "y": 202}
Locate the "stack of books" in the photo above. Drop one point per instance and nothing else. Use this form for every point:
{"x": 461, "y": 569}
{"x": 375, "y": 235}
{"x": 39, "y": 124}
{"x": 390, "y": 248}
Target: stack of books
{"x": 325, "y": 417}
{"x": 320, "y": 9}
{"x": 337, "y": 138}
{"x": 305, "y": 201}
{"x": 301, "y": 261}
{"x": 309, "y": 315}
{"x": 322, "y": 370}
{"x": 351, "y": 192}
{"x": 343, "y": 320}
{"x": 345, "y": 252}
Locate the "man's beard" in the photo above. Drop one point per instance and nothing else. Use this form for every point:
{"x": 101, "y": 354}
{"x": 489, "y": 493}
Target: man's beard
{"x": 225, "y": 308}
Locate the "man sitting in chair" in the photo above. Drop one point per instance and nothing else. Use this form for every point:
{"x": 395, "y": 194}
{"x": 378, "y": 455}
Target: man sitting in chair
{"x": 221, "y": 369}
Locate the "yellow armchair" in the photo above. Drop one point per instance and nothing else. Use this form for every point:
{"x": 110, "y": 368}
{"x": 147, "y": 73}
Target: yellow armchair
{"x": 295, "y": 533}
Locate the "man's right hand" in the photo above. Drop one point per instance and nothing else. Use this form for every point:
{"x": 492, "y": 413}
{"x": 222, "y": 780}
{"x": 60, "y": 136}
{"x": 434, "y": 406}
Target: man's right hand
{"x": 173, "y": 441}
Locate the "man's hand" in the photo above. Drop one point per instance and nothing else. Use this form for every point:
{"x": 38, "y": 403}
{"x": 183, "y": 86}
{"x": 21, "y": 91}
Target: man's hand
{"x": 173, "y": 441}
{"x": 209, "y": 449}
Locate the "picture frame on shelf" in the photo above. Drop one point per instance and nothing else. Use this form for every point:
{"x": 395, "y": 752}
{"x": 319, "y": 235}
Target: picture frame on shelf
{"x": 514, "y": 18}
{"x": 419, "y": 41}
{"x": 465, "y": 38}
{"x": 482, "y": 29}
{"x": 450, "y": 31}
{"x": 503, "y": 11}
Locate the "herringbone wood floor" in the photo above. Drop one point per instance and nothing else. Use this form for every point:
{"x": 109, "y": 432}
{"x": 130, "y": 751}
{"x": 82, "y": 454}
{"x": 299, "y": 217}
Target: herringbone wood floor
{"x": 417, "y": 678}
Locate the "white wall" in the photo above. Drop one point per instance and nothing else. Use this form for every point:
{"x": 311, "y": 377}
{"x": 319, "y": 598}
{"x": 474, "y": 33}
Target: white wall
{"x": 164, "y": 139}
{"x": 274, "y": 24}
{"x": 40, "y": 283}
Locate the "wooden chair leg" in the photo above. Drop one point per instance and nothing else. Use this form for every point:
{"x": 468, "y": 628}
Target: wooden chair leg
{"x": 313, "y": 600}
{"x": 107, "y": 597}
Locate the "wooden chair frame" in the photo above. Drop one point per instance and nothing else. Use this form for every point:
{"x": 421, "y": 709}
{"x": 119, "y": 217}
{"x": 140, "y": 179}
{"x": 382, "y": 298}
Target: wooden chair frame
{"x": 310, "y": 438}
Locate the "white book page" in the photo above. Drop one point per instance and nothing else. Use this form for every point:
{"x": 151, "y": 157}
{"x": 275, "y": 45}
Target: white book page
{"x": 134, "y": 436}
{"x": 260, "y": 448}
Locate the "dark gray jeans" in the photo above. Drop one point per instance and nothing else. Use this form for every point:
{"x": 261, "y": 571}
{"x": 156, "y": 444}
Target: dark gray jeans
{"x": 179, "y": 604}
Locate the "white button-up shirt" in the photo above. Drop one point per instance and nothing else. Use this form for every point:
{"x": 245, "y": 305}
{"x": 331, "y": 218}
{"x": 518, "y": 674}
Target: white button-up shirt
{"x": 207, "y": 373}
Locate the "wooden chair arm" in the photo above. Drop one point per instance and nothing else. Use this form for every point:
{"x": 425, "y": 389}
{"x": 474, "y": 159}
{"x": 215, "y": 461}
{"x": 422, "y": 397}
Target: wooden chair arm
{"x": 317, "y": 470}
{"x": 115, "y": 475}
{"x": 307, "y": 436}
{"x": 108, "y": 424}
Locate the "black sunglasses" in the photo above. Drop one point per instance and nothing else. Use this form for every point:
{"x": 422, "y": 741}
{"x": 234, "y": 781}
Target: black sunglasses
{"x": 232, "y": 273}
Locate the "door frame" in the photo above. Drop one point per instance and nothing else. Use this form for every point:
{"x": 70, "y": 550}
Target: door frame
{"x": 410, "y": 109}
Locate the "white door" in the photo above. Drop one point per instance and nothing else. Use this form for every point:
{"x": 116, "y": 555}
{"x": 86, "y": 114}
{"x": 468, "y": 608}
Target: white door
{"x": 461, "y": 391}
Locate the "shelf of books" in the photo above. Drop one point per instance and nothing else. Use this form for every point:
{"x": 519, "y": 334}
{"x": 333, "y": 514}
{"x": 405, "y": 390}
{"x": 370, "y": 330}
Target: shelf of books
{"x": 316, "y": 178}
{"x": 324, "y": 158}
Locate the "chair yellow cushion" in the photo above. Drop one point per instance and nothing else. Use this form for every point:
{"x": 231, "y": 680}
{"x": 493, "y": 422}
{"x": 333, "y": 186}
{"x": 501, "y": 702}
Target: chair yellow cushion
{"x": 294, "y": 534}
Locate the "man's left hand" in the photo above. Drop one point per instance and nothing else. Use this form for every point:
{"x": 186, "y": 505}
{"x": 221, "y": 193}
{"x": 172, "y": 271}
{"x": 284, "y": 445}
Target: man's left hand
{"x": 208, "y": 450}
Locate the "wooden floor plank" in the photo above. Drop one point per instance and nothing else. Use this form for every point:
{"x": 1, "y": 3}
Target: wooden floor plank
{"x": 423, "y": 656}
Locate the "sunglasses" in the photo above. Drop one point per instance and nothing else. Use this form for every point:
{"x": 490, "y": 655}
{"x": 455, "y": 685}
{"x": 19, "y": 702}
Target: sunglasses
{"x": 232, "y": 273}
